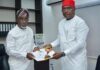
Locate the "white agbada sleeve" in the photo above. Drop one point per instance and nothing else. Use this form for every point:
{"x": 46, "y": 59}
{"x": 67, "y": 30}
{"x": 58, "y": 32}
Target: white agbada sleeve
{"x": 10, "y": 48}
{"x": 56, "y": 42}
{"x": 80, "y": 41}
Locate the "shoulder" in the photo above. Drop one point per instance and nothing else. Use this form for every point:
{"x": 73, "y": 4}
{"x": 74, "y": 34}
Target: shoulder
{"x": 62, "y": 21}
{"x": 79, "y": 19}
{"x": 29, "y": 29}
{"x": 81, "y": 23}
{"x": 12, "y": 31}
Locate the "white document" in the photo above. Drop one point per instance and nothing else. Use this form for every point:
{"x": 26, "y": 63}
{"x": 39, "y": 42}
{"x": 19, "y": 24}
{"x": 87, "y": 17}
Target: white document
{"x": 40, "y": 55}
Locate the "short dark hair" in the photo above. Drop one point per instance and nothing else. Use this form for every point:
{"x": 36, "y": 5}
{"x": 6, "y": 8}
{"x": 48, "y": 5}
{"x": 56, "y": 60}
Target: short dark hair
{"x": 24, "y": 10}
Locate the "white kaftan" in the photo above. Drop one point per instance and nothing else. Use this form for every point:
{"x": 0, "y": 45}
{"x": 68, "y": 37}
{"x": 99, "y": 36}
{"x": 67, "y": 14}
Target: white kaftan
{"x": 72, "y": 39}
{"x": 19, "y": 43}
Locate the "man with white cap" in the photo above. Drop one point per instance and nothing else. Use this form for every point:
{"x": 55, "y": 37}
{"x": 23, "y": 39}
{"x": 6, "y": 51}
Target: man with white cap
{"x": 72, "y": 34}
{"x": 20, "y": 42}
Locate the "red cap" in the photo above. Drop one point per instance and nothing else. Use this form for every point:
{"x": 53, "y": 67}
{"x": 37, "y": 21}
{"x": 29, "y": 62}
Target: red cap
{"x": 68, "y": 3}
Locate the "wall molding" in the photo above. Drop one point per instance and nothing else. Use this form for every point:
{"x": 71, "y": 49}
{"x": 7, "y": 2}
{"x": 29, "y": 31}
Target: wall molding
{"x": 88, "y": 4}
{"x": 92, "y": 57}
{"x": 54, "y": 3}
{"x": 7, "y": 8}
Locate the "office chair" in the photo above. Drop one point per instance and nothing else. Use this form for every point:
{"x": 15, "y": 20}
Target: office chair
{"x": 98, "y": 63}
{"x": 3, "y": 58}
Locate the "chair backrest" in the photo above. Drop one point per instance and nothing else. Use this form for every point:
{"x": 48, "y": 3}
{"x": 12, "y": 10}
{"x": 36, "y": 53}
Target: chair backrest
{"x": 98, "y": 63}
{"x": 3, "y": 58}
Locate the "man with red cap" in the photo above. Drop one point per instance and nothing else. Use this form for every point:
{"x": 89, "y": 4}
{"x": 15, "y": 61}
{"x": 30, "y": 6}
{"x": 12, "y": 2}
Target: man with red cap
{"x": 19, "y": 43}
{"x": 72, "y": 34}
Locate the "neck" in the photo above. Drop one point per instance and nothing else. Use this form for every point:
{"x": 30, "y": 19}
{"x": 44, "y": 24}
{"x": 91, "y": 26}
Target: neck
{"x": 21, "y": 27}
{"x": 70, "y": 18}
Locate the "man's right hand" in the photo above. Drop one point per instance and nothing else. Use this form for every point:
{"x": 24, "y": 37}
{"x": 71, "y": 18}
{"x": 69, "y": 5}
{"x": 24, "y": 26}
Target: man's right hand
{"x": 36, "y": 49}
{"x": 30, "y": 56}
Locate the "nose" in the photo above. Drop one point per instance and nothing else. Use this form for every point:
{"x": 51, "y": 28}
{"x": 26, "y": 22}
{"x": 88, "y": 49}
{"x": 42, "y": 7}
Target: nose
{"x": 23, "y": 20}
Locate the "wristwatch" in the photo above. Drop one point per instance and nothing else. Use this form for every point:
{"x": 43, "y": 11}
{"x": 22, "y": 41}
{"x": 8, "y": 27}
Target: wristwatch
{"x": 63, "y": 54}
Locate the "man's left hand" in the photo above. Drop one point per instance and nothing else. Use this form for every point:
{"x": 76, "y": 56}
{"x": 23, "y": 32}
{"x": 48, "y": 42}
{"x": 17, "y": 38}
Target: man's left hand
{"x": 30, "y": 56}
{"x": 58, "y": 55}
